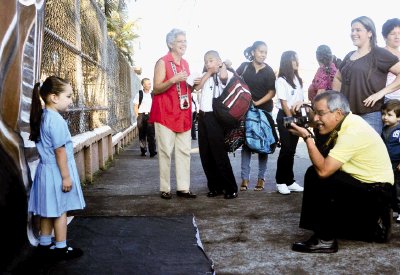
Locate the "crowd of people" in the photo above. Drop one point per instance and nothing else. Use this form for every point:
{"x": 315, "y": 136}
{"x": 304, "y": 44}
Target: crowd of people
{"x": 353, "y": 143}
{"x": 351, "y": 180}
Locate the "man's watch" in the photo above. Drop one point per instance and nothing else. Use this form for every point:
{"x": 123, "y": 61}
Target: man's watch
{"x": 307, "y": 137}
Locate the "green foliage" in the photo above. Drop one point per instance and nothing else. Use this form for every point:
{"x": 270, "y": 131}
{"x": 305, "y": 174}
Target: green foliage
{"x": 120, "y": 29}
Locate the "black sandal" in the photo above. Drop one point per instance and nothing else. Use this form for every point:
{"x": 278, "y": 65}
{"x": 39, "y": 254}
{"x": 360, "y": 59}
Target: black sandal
{"x": 166, "y": 195}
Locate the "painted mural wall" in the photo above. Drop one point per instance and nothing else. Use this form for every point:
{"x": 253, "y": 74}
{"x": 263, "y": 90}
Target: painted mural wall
{"x": 21, "y": 29}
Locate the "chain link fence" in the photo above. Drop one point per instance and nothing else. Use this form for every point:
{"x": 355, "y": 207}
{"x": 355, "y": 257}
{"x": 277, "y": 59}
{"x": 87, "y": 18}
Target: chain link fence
{"x": 76, "y": 47}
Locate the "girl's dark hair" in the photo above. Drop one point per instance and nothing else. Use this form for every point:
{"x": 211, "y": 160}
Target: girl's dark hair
{"x": 370, "y": 26}
{"x": 247, "y": 51}
{"x": 286, "y": 70}
{"x": 389, "y": 25}
{"x": 52, "y": 85}
{"x": 392, "y": 105}
{"x": 325, "y": 57}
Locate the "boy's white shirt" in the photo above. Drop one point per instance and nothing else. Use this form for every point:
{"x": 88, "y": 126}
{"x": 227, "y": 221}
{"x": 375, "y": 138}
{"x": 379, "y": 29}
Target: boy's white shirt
{"x": 207, "y": 92}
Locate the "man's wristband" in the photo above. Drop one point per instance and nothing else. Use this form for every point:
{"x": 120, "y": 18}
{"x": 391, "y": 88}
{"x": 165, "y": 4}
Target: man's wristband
{"x": 307, "y": 137}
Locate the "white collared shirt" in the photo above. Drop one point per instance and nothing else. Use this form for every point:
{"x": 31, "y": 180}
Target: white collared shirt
{"x": 207, "y": 93}
{"x": 286, "y": 92}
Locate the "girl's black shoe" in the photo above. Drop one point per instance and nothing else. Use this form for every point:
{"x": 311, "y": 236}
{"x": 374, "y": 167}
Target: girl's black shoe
{"x": 44, "y": 251}
{"x": 67, "y": 253}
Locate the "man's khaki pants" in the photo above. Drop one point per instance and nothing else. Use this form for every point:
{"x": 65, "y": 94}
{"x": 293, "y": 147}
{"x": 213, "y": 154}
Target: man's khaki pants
{"x": 167, "y": 140}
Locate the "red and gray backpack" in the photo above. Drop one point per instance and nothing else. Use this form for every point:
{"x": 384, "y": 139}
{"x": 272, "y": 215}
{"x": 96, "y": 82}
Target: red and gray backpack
{"x": 232, "y": 105}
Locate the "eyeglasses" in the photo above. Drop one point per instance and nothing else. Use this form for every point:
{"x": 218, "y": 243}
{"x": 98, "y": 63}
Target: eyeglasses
{"x": 321, "y": 113}
{"x": 181, "y": 41}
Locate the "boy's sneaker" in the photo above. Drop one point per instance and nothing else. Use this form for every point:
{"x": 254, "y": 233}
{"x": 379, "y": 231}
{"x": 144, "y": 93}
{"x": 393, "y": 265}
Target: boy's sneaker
{"x": 67, "y": 253}
{"x": 283, "y": 189}
{"x": 294, "y": 187}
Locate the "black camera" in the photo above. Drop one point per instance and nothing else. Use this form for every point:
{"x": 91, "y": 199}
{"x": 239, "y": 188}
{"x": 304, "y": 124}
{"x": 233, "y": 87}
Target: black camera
{"x": 302, "y": 118}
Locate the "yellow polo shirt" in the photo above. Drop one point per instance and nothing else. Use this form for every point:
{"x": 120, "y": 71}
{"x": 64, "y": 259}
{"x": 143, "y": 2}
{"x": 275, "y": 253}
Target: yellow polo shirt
{"x": 362, "y": 152}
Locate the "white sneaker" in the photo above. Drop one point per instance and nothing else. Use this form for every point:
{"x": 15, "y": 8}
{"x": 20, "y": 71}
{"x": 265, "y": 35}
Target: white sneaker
{"x": 398, "y": 219}
{"x": 283, "y": 189}
{"x": 294, "y": 187}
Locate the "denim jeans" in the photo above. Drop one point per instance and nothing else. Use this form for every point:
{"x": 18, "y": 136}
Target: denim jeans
{"x": 246, "y": 158}
{"x": 375, "y": 120}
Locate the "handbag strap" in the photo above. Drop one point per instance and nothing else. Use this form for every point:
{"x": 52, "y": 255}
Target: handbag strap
{"x": 232, "y": 71}
{"x": 235, "y": 73}
{"x": 178, "y": 85}
{"x": 215, "y": 78}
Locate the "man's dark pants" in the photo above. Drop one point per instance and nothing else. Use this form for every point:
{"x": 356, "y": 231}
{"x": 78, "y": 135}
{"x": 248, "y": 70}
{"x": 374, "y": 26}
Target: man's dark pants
{"x": 146, "y": 134}
{"x": 342, "y": 206}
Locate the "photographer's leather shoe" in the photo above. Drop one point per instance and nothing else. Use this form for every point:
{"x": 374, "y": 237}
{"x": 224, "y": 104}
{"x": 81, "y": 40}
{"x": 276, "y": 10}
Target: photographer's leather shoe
{"x": 316, "y": 245}
{"x": 383, "y": 229}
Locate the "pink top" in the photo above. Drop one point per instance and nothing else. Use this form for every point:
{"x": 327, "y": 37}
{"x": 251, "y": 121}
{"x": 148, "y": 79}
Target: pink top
{"x": 396, "y": 94}
{"x": 321, "y": 81}
{"x": 165, "y": 108}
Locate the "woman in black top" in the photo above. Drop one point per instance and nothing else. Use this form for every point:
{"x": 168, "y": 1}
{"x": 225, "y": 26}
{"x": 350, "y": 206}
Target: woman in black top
{"x": 261, "y": 80}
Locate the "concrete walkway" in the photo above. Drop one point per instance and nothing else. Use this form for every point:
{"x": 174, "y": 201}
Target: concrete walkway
{"x": 248, "y": 235}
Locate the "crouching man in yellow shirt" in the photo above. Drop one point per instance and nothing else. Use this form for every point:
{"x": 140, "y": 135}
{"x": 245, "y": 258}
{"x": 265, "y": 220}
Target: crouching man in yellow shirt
{"x": 346, "y": 193}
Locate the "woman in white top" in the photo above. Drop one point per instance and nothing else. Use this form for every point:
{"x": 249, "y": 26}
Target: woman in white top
{"x": 391, "y": 34}
{"x": 214, "y": 158}
{"x": 289, "y": 90}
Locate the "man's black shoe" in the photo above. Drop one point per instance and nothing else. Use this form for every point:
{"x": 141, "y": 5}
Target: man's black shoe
{"x": 152, "y": 155}
{"x": 212, "y": 194}
{"x": 316, "y": 245}
{"x": 230, "y": 196}
{"x": 383, "y": 229}
{"x": 143, "y": 154}
{"x": 186, "y": 195}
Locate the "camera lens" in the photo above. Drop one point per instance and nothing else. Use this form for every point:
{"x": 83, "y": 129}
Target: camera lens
{"x": 287, "y": 121}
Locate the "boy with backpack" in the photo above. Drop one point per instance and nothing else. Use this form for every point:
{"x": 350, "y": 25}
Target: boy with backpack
{"x": 214, "y": 158}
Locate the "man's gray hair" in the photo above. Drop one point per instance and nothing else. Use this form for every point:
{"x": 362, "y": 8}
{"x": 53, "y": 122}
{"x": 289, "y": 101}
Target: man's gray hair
{"x": 335, "y": 100}
{"x": 171, "y": 36}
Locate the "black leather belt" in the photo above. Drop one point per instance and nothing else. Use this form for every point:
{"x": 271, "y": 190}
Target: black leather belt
{"x": 144, "y": 113}
{"x": 202, "y": 113}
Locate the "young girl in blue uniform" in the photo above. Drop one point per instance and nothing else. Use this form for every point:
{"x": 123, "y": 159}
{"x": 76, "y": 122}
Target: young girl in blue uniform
{"x": 56, "y": 188}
